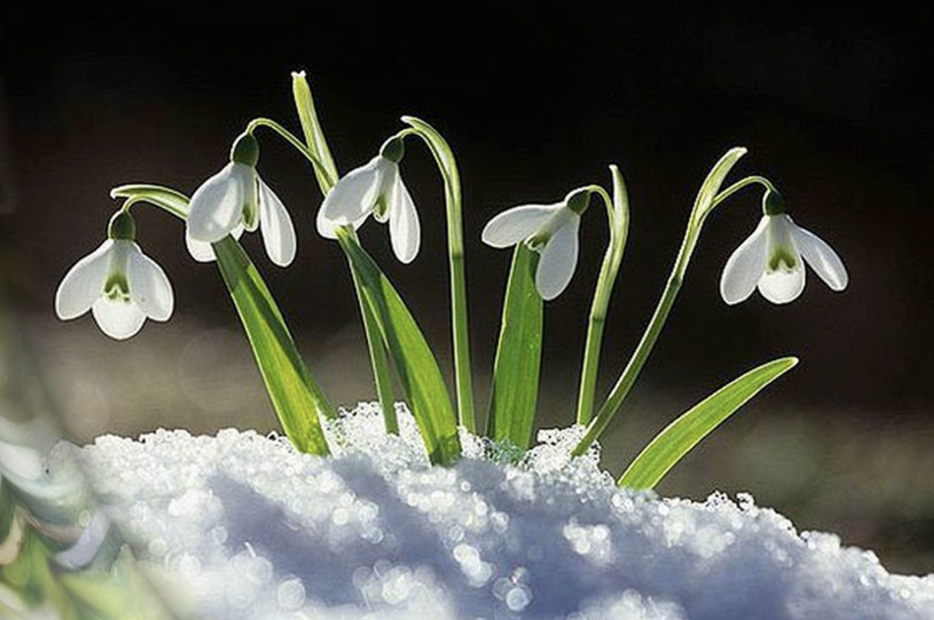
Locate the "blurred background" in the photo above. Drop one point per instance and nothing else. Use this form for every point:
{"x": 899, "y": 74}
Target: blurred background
{"x": 829, "y": 100}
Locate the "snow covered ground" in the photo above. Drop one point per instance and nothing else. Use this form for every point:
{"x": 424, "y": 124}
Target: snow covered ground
{"x": 240, "y": 526}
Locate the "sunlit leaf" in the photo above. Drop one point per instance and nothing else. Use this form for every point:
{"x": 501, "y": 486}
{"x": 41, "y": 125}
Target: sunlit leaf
{"x": 518, "y": 355}
{"x": 670, "y": 446}
{"x": 296, "y": 397}
{"x": 311, "y": 127}
{"x": 416, "y": 366}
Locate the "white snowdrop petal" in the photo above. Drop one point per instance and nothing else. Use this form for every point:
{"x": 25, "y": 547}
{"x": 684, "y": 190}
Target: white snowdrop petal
{"x": 745, "y": 266}
{"x": 248, "y": 179}
{"x": 782, "y": 285}
{"x": 822, "y": 258}
{"x": 404, "y": 229}
{"x": 216, "y": 207}
{"x": 202, "y": 251}
{"x": 83, "y": 283}
{"x": 558, "y": 260}
{"x": 88, "y": 544}
{"x": 350, "y": 200}
{"x": 276, "y": 226}
{"x": 149, "y": 286}
{"x": 517, "y": 224}
{"x": 118, "y": 319}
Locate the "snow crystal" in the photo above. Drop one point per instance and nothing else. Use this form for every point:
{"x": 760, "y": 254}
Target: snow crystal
{"x": 241, "y": 526}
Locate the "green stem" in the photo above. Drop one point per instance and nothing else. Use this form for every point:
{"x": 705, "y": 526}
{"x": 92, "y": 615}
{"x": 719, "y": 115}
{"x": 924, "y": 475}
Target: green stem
{"x": 326, "y": 173}
{"x": 321, "y": 171}
{"x": 707, "y": 199}
{"x": 378, "y": 355}
{"x": 618, "y": 220}
{"x": 444, "y": 158}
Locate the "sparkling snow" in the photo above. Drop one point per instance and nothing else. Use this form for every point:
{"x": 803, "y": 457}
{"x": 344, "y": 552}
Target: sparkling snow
{"x": 240, "y": 526}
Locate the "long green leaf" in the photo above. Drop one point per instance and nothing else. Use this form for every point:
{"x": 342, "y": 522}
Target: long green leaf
{"x": 296, "y": 397}
{"x": 518, "y": 355}
{"x": 416, "y": 366}
{"x": 670, "y": 446}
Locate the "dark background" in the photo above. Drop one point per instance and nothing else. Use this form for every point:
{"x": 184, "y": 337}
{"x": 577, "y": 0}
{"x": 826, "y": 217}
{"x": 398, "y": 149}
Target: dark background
{"x": 830, "y": 100}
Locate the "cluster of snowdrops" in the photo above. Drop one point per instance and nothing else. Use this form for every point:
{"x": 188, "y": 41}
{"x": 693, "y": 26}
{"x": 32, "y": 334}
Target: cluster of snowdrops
{"x": 121, "y": 286}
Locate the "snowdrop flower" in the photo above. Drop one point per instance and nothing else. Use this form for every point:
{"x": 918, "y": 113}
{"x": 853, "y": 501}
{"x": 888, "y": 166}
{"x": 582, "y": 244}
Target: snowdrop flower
{"x": 550, "y": 230}
{"x": 375, "y": 188}
{"x": 119, "y": 284}
{"x": 236, "y": 199}
{"x": 772, "y": 259}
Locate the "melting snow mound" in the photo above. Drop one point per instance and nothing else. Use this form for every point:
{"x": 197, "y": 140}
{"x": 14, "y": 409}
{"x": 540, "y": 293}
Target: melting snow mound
{"x": 241, "y": 526}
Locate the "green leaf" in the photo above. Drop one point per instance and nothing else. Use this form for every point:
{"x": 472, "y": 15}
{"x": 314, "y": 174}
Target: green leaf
{"x": 6, "y": 511}
{"x": 670, "y": 446}
{"x": 167, "y": 198}
{"x": 311, "y": 127}
{"x": 704, "y": 201}
{"x": 518, "y": 354}
{"x": 296, "y": 397}
{"x": 416, "y": 366}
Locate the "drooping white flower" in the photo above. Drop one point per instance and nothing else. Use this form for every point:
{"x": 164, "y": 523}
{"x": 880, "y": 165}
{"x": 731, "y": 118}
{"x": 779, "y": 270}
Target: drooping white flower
{"x": 375, "y": 188}
{"x": 550, "y": 230}
{"x": 772, "y": 259}
{"x": 119, "y": 284}
{"x": 237, "y": 199}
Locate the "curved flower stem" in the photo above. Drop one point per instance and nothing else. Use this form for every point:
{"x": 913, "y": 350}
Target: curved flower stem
{"x": 707, "y": 199}
{"x": 169, "y": 200}
{"x": 316, "y": 152}
{"x": 325, "y": 177}
{"x": 618, "y": 220}
{"x": 444, "y": 158}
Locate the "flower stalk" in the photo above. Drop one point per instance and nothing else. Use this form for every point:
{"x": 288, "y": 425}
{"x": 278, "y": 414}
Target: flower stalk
{"x": 618, "y": 221}
{"x": 705, "y": 202}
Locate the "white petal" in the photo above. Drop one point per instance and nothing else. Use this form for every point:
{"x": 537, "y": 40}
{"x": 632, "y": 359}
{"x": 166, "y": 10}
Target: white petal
{"x": 745, "y": 266}
{"x": 783, "y": 285}
{"x": 118, "y": 319}
{"x": 149, "y": 286}
{"x": 387, "y": 176}
{"x": 83, "y": 283}
{"x": 202, "y": 251}
{"x": 821, "y": 258}
{"x": 559, "y": 258}
{"x": 351, "y": 200}
{"x": 404, "y": 228}
{"x": 216, "y": 207}
{"x": 517, "y": 224}
{"x": 88, "y": 544}
{"x": 278, "y": 231}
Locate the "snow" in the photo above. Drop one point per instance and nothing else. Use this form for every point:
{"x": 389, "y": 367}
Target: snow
{"x": 241, "y": 526}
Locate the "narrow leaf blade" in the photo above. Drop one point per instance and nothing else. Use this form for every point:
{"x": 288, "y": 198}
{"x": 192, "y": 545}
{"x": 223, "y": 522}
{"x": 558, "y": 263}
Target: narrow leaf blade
{"x": 416, "y": 366}
{"x": 518, "y": 355}
{"x": 296, "y": 397}
{"x": 311, "y": 127}
{"x": 670, "y": 445}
